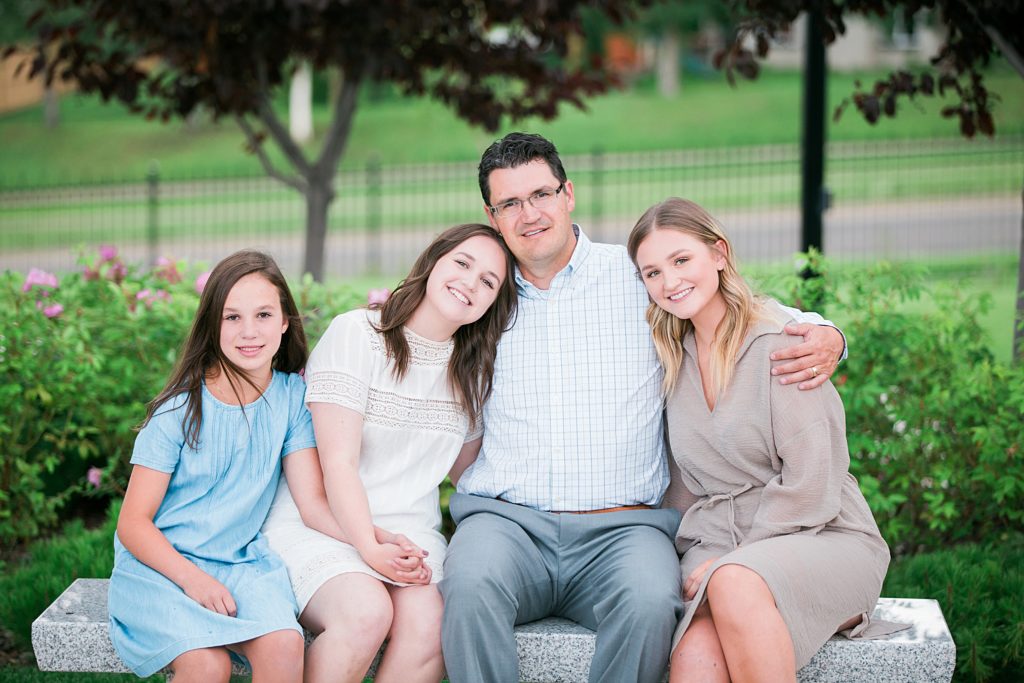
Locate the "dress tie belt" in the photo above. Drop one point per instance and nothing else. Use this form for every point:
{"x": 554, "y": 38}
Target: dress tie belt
{"x": 730, "y": 498}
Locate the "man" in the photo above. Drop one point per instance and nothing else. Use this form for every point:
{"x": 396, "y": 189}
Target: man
{"x": 558, "y": 516}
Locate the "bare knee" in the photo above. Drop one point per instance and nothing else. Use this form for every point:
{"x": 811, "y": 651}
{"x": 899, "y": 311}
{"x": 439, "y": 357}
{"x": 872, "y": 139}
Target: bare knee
{"x": 363, "y": 623}
{"x": 734, "y": 590}
{"x": 420, "y": 627}
{"x": 279, "y": 649}
{"x": 206, "y": 664}
{"x": 699, "y": 656}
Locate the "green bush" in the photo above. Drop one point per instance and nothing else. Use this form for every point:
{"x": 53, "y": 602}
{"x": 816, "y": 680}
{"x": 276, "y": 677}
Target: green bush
{"x": 79, "y": 359}
{"x": 981, "y": 590}
{"x": 933, "y": 422}
{"x": 49, "y": 567}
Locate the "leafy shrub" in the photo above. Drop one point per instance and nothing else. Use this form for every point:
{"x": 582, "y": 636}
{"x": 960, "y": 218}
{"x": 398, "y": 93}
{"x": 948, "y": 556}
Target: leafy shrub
{"x": 933, "y": 422}
{"x": 79, "y": 358}
{"x": 981, "y": 590}
{"x": 49, "y": 567}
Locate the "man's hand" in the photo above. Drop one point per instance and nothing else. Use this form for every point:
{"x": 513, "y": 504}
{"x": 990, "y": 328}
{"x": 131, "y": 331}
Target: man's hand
{"x": 814, "y": 359}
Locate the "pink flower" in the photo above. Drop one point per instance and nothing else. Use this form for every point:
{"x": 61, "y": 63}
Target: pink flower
{"x": 39, "y": 278}
{"x": 108, "y": 252}
{"x": 377, "y": 297}
{"x": 94, "y": 476}
{"x": 167, "y": 270}
{"x": 201, "y": 282}
{"x": 53, "y": 310}
{"x": 118, "y": 271}
{"x": 148, "y": 297}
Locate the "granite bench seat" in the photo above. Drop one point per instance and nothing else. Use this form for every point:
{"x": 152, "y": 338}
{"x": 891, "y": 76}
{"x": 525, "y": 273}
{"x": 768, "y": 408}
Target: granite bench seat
{"x": 72, "y": 635}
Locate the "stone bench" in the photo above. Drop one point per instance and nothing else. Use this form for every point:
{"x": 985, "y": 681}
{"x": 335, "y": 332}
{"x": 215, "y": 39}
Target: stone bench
{"x": 72, "y": 635}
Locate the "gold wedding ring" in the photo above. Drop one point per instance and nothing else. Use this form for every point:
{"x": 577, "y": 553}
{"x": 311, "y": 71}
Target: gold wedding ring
{"x": 814, "y": 371}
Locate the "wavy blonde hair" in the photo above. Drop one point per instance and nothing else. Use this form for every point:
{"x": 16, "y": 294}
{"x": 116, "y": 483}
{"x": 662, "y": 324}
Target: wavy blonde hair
{"x": 742, "y": 308}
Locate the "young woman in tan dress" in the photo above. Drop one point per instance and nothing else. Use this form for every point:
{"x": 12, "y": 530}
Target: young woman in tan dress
{"x": 780, "y": 550}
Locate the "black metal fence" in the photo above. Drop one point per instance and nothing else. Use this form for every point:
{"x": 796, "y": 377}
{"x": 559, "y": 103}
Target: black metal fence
{"x": 920, "y": 199}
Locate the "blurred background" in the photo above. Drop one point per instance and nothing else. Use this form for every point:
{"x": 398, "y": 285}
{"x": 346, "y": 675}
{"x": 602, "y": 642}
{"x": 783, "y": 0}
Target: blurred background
{"x": 921, "y": 227}
{"x": 76, "y": 173}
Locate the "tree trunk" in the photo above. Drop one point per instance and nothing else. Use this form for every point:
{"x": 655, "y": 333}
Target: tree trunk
{"x": 300, "y": 104}
{"x": 1018, "y": 323}
{"x": 51, "y": 108}
{"x": 667, "y": 64}
{"x": 319, "y": 196}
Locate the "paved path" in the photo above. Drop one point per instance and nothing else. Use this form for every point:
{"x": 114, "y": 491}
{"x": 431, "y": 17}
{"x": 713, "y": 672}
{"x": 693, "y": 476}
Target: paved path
{"x": 925, "y": 228}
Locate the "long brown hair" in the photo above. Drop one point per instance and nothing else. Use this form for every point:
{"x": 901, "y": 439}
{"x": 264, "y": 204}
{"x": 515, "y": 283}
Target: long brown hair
{"x": 201, "y": 352}
{"x": 742, "y": 309}
{"x": 471, "y": 368}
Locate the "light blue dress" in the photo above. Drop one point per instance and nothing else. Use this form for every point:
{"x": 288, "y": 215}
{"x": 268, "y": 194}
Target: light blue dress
{"x": 215, "y": 503}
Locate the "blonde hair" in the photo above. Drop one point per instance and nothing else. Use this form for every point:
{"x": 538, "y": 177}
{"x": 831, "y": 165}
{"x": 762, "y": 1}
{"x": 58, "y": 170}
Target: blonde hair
{"x": 742, "y": 309}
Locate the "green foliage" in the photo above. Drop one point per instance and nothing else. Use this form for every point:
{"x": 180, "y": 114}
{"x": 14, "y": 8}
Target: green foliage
{"x": 75, "y": 385}
{"x": 981, "y": 590}
{"x": 933, "y": 422}
{"x": 49, "y": 567}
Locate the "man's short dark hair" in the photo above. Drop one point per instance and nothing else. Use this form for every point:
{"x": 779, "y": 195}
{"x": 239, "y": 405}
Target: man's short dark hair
{"x": 514, "y": 150}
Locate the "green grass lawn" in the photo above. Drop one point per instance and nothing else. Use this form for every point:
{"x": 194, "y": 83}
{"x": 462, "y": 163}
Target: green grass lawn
{"x": 95, "y": 140}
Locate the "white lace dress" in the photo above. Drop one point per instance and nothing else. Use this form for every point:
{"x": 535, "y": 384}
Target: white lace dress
{"x": 412, "y": 432}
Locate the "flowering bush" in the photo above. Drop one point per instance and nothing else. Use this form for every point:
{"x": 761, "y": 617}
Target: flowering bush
{"x": 75, "y": 376}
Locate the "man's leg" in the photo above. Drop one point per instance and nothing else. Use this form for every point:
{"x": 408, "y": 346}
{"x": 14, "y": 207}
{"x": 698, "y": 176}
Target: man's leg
{"x": 622, "y": 580}
{"x": 494, "y": 578}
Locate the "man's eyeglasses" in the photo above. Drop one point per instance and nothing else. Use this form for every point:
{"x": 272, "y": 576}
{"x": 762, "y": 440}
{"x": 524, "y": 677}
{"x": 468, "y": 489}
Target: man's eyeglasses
{"x": 541, "y": 199}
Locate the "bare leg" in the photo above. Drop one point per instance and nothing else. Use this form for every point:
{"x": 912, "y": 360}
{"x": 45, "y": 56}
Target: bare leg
{"x": 205, "y": 665}
{"x": 413, "y": 654}
{"x": 275, "y": 657}
{"x": 753, "y": 635}
{"x": 698, "y": 657}
{"x": 351, "y": 615}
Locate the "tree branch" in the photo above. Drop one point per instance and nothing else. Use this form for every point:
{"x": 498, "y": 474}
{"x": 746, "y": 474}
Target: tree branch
{"x": 341, "y": 123}
{"x": 277, "y": 130}
{"x": 297, "y": 182}
{"x": 1009, "y": 51}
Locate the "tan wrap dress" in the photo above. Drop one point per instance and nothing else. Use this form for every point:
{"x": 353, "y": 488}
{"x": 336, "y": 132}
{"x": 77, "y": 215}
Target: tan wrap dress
{"x": 768, "y": 474}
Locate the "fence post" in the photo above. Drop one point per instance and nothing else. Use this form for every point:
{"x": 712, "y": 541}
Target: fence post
{"x": 375, "y": 255}
{"x": 153, "y": 214}
{"x": 596, "y": 192}
{"x": 812, "y": 155}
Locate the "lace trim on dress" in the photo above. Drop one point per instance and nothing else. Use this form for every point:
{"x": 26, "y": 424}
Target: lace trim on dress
{"x": 339, "y": 388}
{"x": 389, "y": 409}
{"x": 421, "y": 351}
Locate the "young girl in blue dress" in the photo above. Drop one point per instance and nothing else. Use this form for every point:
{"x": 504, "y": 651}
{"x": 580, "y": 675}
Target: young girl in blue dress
{"x": 194, "y": 580}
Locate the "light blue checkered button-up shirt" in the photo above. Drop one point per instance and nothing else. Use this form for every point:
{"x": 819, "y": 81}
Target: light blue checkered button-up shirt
{"x": 574, "y": 420}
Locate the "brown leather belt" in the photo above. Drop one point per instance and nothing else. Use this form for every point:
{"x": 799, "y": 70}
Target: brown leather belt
{"x": 621, "y": 508}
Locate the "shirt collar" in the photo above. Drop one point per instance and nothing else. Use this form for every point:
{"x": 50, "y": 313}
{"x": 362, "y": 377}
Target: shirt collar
{"x": 579, "y": 256}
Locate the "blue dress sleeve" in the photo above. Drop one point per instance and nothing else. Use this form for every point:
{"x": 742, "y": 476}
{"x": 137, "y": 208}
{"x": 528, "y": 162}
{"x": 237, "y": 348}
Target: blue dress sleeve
{"x": 159, "y": 444}
{"x": 300, "y": 422}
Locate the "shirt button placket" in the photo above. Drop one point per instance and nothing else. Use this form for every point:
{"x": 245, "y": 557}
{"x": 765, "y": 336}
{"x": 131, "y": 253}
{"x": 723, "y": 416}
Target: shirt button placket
{"x": 556, "y": 368}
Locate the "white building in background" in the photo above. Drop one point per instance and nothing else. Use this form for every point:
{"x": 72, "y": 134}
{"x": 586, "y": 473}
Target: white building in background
{"x": 864, "y": 46}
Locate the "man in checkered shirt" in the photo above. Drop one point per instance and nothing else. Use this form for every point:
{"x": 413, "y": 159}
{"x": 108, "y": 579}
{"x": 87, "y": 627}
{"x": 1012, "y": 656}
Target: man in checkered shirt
{"x": 558, "y": 511}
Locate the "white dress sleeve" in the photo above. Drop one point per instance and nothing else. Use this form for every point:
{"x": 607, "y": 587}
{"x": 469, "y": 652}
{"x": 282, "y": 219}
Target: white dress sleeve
{"x": 341, "y": 364}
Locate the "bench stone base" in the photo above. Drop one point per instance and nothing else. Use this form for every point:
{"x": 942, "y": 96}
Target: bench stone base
{"x": 72, "y": 635}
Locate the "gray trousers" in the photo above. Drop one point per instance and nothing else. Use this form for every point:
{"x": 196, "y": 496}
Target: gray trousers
{"x": 615, "y": 573}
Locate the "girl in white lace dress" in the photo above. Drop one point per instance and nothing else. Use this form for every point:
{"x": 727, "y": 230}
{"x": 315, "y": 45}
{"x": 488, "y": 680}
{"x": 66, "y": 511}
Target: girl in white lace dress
{"x": 395, "y": 394}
